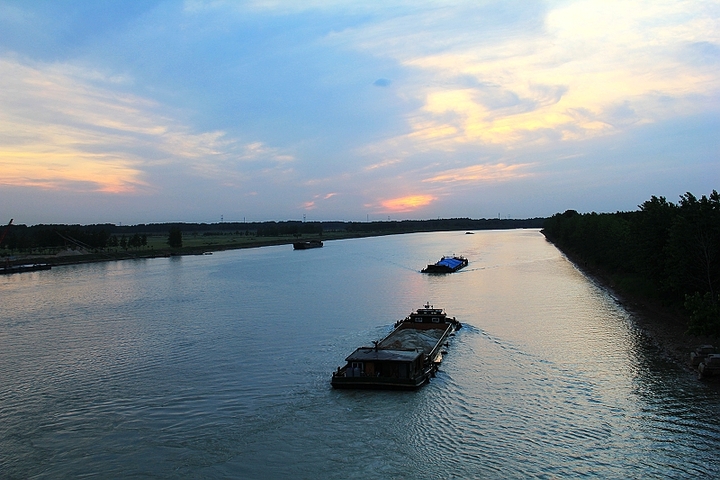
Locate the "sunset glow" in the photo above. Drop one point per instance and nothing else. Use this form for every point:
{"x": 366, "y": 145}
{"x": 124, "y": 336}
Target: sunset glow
{"x": 407, "y": 204}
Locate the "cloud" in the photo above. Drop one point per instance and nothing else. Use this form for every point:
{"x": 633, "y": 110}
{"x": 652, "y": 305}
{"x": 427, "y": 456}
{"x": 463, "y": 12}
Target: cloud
{"x": 579, "y": 70}
{"x": 382, "y": 82}
{"x": 67, "y": 127}
{"x": 57, "y": 131}
{"x": 480, "y": 173}
{"x": 383, "y": 164}
{"x": 69, "y": 171}
{"x": 313, "y": 204}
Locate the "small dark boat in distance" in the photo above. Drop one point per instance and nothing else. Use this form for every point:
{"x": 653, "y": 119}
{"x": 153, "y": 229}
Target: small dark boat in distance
{"x": 308, "y": 244}
{"x": 447, "y": 265}
{"x": 405, "y": 359}
{"x": 24, "y": 268}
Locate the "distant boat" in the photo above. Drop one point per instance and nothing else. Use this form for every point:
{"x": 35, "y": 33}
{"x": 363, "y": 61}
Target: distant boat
{"x": 469, "y": 233}
{"x": 405, "y": 359}
{"x": 24, "y": 268}
{"x": 308, "y": 244}
{"x": 447, "y": 265}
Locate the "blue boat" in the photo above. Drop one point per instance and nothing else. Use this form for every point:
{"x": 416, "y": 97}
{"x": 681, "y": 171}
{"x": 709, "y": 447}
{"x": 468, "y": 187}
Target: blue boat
{"x": 447, "y": 265}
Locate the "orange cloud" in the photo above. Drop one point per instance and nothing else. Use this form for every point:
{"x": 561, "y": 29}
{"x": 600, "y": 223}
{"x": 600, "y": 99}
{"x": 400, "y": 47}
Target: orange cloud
{"x": 66, "y": 128}
{"x": 598, "y": 68}
{"x": 312, "y": 204}
{"x": 408, "y": 203}
{"x": 69, "y": 170}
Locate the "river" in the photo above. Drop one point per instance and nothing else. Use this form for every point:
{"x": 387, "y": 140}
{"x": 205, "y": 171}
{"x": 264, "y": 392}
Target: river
{"x": 218, "y": 366}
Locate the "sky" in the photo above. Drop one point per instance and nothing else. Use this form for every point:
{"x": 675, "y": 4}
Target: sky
{"x": 207, "y": 111}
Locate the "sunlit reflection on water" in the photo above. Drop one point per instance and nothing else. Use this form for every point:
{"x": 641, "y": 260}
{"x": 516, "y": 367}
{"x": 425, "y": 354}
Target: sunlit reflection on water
{"x": 218, "y": 366}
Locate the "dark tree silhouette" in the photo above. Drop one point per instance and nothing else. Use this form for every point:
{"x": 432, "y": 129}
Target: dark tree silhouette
{"x": 663, "y": 251}
{"x": 175, "y": 237}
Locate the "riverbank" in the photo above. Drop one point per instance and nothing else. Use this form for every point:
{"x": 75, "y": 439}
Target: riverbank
{"x": 664, "y": 327}
{"x": 157, "y": 247}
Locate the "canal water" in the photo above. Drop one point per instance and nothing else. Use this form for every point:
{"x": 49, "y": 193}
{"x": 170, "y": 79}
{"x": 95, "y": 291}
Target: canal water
{"x": 218, "y": 366}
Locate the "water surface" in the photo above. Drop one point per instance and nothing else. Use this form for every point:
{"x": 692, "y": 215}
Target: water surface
{"x": 218, "y": 366}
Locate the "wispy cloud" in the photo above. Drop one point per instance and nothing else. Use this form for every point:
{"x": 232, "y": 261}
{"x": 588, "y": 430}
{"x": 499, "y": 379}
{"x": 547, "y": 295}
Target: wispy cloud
{"x": 66, "y": 127}
{"x": 591, "y": 69}
{"x": 313, "y": 204}
{"x": 481, "y": 173}
{"x": 383, "y": 164}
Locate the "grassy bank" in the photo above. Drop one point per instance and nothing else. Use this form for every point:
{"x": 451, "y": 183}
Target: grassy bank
{"x": 157, "y": 246}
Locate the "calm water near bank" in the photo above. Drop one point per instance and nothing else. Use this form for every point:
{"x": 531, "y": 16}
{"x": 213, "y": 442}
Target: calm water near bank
{"x": 218, "y": 366}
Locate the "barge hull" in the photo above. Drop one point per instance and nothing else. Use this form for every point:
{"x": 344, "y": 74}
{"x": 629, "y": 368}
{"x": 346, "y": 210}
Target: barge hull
{"x": 369, "y": 383}
{"x": 307, "y": 245}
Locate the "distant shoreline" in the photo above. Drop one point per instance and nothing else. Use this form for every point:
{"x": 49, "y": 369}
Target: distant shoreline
{"x": 68, "y": 258}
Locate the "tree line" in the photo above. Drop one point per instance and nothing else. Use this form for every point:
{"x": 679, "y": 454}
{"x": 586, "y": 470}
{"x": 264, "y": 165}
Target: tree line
{"x": 23, "y": 238}
{"x": 665, "y": 251}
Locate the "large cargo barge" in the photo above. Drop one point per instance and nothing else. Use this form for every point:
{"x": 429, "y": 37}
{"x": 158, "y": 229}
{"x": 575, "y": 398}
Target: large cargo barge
{"x": 405, "y": 359}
